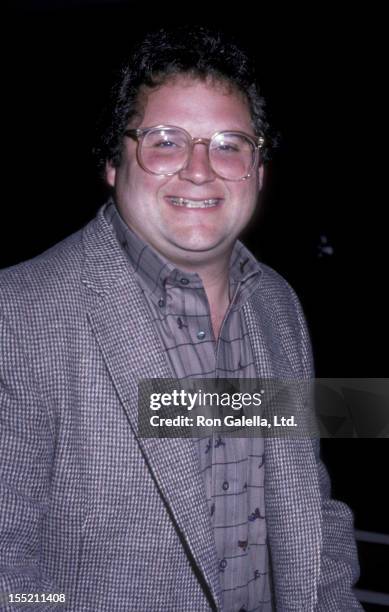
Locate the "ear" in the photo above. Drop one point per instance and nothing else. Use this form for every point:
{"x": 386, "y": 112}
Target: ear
{"x": 261, "y": 172}
{"x": 110, "y": 173}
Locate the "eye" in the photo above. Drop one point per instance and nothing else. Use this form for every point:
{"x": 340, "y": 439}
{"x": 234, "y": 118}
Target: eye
{"x": 165, "y": 144}
{"x": 228, "y": 147}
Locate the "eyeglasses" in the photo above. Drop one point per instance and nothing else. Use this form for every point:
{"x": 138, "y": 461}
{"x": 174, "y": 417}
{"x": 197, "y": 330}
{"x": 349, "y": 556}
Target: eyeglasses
{"x": 166, "y": 150}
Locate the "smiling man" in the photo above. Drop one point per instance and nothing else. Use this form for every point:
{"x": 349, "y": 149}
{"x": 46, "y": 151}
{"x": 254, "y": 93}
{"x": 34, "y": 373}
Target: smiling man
{"x": 158, "y": 285}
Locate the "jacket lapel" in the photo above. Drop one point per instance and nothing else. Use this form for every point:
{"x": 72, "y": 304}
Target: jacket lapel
{"x": 292, "y": 494}
{"x": 124, "y": 331}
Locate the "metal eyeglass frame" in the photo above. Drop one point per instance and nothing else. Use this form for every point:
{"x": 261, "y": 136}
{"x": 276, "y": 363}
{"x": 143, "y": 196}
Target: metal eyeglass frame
{"x": 138, "y": 133}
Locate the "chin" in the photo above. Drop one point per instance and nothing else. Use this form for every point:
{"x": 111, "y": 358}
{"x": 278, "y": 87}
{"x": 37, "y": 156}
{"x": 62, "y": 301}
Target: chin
{"x": 200, "y": 253}
{"x": 196, "y": 245}
{"x": 199, "y": 240}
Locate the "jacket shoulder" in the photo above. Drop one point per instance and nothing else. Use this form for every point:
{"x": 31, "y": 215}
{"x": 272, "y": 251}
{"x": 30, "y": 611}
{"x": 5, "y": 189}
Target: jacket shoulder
{"x": 54, "y": 273}
{"x": 279, "y": 310}
{"x": 277, "y": 291}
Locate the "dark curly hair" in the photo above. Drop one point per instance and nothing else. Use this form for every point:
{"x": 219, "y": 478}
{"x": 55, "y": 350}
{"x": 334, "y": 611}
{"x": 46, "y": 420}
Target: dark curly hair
{"x": 195, "y": 51}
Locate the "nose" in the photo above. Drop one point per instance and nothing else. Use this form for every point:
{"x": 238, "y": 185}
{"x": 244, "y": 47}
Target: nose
{"x": 198, "y": 169}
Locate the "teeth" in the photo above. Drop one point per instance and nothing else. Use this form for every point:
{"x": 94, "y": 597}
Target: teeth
{"x": 194, "y": 203}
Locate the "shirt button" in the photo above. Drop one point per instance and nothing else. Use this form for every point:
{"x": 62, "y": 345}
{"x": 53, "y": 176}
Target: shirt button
{"x": 184, "y": 281}
{"x": 225, "y": 485}
{"x": 161, "y": 302}
{"x": 223, "y": 564}
{"x": 201, "y": 335}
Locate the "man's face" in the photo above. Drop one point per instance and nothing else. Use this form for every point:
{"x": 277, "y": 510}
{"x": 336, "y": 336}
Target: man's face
{"x": 188, "y": 237}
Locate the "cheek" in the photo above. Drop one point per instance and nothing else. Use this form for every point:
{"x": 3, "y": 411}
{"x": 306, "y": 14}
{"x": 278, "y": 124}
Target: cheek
{"x": 147, "y": 186}
{"x": 246, "y": 196}
{"x": 132, "y": 186}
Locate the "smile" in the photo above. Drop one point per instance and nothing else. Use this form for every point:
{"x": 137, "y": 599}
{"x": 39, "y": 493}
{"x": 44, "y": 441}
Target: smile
{"x": 194, "y": 203}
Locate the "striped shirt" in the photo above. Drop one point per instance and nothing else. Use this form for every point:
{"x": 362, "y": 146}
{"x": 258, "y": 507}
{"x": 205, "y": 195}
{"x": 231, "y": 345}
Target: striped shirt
{"x": 233, "y": 469}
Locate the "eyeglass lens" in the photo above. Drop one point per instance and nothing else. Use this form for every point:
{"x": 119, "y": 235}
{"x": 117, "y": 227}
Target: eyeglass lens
{"x": 166, "y": 151}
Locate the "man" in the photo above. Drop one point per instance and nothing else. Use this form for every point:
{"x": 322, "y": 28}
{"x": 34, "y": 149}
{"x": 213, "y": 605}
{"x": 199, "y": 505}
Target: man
{"x": 157, "y": 286}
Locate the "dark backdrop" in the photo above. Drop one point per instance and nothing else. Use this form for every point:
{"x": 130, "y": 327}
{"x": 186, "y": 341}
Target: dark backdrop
{"x": 322, "y": 224}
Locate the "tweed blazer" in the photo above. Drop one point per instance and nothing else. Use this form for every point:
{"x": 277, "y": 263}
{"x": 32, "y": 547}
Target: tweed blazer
{"x": 113, "y": 521}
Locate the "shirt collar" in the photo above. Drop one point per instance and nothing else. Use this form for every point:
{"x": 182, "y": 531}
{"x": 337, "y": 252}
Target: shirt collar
{"x": 156, "y": 274}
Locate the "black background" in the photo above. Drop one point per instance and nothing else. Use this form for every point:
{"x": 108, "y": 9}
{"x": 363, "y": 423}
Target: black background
{"x": 322, "y": 72}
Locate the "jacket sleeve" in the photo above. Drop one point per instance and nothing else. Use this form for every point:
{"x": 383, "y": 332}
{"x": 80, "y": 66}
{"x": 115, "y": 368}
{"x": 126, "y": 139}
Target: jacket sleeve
{"x": 26, "y": 449}
{"x": 339, "y": 558}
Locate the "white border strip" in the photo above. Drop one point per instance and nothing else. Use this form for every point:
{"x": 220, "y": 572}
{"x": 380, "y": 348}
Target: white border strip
{"x": 371, "y": 536}
{"x": 372, "y": 597}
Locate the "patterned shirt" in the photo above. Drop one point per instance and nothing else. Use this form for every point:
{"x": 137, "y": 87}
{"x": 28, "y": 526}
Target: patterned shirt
{"x": 232, "y": 468}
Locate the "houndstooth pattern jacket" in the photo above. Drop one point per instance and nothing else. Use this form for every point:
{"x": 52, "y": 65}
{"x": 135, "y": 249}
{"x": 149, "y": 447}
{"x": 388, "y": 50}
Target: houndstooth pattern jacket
{"x": 120, "y": 523}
